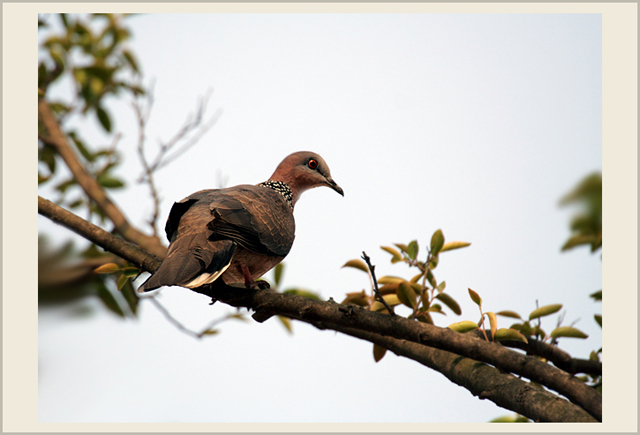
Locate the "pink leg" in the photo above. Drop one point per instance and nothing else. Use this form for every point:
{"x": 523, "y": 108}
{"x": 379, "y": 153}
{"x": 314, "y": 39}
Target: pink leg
{"x": 248, "y": 279}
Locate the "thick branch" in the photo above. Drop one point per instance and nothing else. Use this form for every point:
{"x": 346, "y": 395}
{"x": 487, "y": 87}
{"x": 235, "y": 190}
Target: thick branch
{"x": 557, "y": 356}
{"x": 338, "y": 316}
{"x": 56, "y": 138}
{"x": 483, "y": 381}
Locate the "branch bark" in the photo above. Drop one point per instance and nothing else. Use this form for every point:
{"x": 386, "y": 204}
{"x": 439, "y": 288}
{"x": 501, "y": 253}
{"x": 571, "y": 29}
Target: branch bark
{"x": 56, "y": 138}
{"x": 347, "y": 318}
{"x": 483, "y": 381}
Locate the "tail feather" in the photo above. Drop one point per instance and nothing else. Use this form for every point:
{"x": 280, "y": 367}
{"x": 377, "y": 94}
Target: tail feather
{"x": 187, "y": 259}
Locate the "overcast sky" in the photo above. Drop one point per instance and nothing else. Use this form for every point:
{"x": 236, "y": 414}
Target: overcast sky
{"x": 472, "y": 123}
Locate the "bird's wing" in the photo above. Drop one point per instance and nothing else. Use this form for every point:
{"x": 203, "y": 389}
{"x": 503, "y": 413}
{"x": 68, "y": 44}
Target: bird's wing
{"x": 255, "y": 217}
{"x": 191, "y": 252}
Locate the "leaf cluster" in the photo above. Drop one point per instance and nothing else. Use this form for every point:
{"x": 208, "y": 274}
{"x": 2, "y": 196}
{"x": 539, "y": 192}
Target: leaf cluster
{"x": 67, "y": 274}
{"x": 91, "y": 52}
{"x": 586, "y": 224}
{"x": 423, "y": 294}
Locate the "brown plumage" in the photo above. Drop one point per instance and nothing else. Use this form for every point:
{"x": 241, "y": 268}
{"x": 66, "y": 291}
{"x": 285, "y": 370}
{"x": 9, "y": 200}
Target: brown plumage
{"x": 239, "y": 233}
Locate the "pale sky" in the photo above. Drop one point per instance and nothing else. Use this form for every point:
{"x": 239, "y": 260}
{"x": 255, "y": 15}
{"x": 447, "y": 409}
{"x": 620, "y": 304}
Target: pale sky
{"x": 472, "y": 123}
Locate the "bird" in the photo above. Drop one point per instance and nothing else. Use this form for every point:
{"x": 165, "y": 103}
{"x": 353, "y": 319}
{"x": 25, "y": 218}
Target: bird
{"x": 239, "y": 233}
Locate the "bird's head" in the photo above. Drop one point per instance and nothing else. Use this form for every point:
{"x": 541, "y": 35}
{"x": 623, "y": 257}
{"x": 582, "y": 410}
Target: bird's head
{"x": 304, "y": 170}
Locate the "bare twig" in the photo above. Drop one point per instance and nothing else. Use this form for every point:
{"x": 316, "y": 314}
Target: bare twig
{"x": 162, "y": 158}
{"x": 172, "y": 320}
{"x": 192, "y": 123}
{"x": 205, "y": 331}
{"x": 366, "y": 258}
{"x": 143, "y": 118}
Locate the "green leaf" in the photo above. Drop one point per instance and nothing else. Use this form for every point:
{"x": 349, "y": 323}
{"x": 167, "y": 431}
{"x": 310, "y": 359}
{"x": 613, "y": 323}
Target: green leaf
{"x": 406, "y": 294}
{"x": 598, "y": 318}
{"x": 107, "y": 268}
{"x": 464, "y": 326}
{"x": 523, "y": 328}
{"x": 131, "y": 60}
{"x": 450, "y": 246}
{"x": 493, "y": 321}
{"x": 358, "y": 298}
{"x": 357, "y": 264}
{"x": 277, "y": 273}
{"x": 388, "y": 288}
{"x": 413, "y": 249}
{"x": 64, "y": 185}
{"x": 511, "y": 419}
{"x": 130, "y": 271}
{"x": 47, "y": 154}
{"x": 304, "y": 293}
{"x": 104, "y": 118}
{"x": 509, "y": 334}
{"x": 507, "y": 313}
{"x": 403, "y": 247}
{"x": 597, "y": 296}
{"x": 388, "y": 279}
{"x": 434, "y": 262}
{"x": 436, "y": 308}
{"x": 567, "y": 331}
{"x": 390, "y": 299}
{"x": 431, "y": 279}
{"x": 437, "y": 242}
{"x": 545, "y": 311}
{"x": 475, "y": 297}
{"x": 397, "y": 256}
{"x": 539, "y": 332}
{"x": 286, "y": 322}
{"x": 378, "y": 352}
{"x": 122, "y": 281}
{"x": 108, "y": 299}
{"x": 416, "y": 278}
{"x": 81, "y": 147}
{"x": 109, "y": 182}
{"x": 130, "y": 296}
{"x": 449, "y": 302}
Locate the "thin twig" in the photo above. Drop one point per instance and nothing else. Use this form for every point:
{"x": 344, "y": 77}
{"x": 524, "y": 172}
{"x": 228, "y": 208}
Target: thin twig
{"x": 143, "y": 118}
{"x": 183, "y": 328}
{"x": 172, "y": 320}
{"x": 191, "y": 142}
{"x": 366, "y": 258}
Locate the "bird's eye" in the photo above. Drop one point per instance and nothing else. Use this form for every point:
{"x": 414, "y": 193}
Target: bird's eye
{"x": 313, "y": 164}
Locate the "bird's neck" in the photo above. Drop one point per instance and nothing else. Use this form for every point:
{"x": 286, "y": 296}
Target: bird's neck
{"x": 282, "y": 188}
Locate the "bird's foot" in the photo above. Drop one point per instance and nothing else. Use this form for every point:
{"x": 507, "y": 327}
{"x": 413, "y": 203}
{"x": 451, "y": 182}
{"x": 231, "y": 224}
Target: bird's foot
{"x": 262, "y": 285}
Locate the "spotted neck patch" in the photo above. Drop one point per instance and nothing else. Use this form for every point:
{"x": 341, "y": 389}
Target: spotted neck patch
{"x": 282, "y": 188}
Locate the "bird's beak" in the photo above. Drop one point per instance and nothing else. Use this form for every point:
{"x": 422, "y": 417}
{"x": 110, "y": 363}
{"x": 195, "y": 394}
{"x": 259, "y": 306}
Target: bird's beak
{"x": 332, "y": 184}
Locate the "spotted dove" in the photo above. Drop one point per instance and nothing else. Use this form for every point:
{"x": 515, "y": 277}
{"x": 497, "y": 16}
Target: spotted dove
{"x": 239, "y": 233}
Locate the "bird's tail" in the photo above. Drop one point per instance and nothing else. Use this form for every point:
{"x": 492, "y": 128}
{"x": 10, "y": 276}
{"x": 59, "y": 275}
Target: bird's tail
{"x": 187, "y": 260}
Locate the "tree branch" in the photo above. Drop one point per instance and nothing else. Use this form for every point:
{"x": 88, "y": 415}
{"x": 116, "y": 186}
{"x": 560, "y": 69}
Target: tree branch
{"x": 338, "y": 317}
{"x": 482, "y": 380}
{"x": 97, "y": 235}
{"x": 56, "y": 138}
{"x": 557, "y": 356}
